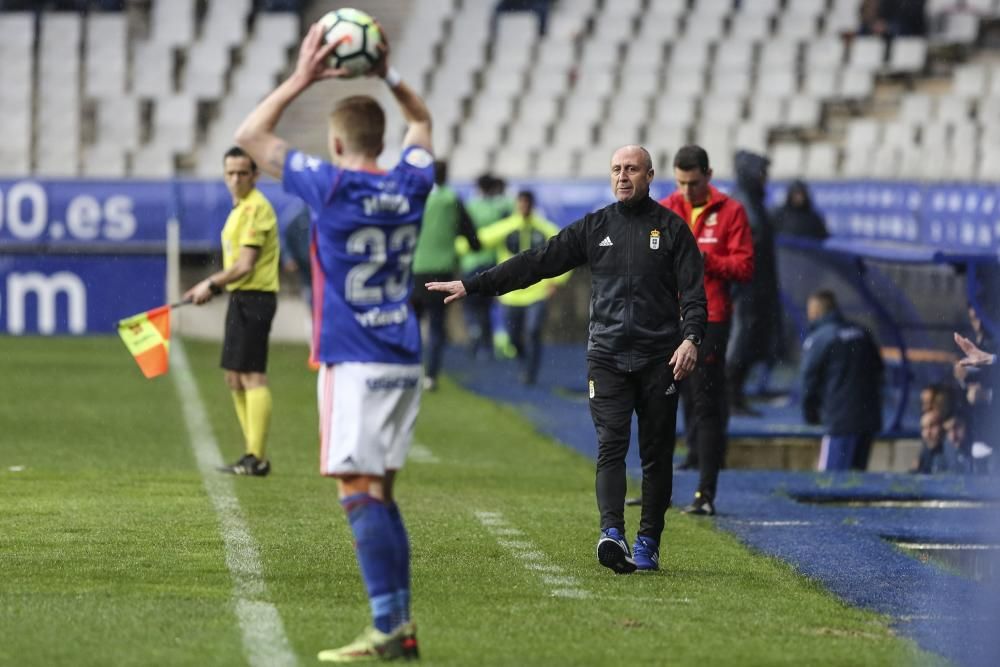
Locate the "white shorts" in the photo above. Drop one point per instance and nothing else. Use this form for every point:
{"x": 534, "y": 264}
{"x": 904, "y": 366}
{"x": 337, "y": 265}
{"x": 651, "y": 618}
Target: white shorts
{"x": 366, "y": 416}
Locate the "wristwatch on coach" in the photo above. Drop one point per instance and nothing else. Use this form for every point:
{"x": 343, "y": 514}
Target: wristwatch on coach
{"x": 694, "y": 339}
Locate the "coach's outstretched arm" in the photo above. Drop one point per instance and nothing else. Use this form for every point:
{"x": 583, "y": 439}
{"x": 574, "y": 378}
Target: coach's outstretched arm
{"x": 256, "y": 134}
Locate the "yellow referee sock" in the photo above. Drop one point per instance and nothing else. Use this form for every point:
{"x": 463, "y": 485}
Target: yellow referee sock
{"x": 258, "y": 419}
{"x": 240, "y": 403}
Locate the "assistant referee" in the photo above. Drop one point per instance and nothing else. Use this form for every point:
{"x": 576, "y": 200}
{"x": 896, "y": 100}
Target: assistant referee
{"x": 250, "y": 257}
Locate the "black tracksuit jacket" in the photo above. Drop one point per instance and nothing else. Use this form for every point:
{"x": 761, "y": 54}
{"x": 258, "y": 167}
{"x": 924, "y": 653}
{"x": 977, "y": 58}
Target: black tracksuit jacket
{"x": 646, "y": 277}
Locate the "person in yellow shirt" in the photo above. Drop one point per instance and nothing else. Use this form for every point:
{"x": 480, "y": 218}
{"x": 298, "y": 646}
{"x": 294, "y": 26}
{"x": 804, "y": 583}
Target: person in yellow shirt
{"x": 524, "y": 309}
{"x": 250, "y": 257}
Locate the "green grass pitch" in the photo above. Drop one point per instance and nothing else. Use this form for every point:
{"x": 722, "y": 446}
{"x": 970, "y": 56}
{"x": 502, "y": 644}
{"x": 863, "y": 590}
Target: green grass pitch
{"x": 110, "y": 551}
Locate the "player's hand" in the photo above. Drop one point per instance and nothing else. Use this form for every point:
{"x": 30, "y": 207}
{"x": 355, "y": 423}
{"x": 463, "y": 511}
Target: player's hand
{"x": 453, "y": 288}
{"x": 199, "y": 294}
{"x": 973, "y": 355}
{"x": 314, "y": 53}
{"x": 684, "y": 359}
{"x": 380, "y": 68}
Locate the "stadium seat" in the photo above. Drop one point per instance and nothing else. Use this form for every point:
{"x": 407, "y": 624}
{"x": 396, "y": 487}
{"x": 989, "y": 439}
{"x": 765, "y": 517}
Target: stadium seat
{"x": 674, "y": 111}
{"x": 730, "y": 84}
{"x": 513, "y": 162}
{"x": 826, "y": 53}
{"x": 734, "y": 56}
{"x": 898, "y": 134}
{"x": 172, "y": 22}
{"x": 793, "y": 26}
{"x": 959, "y": 29}
{"x": 867, "y": 53}
{"x": 907, "y": 55}
{"x": 174, "y": 122}
{"x": 551, "y": 163}
{"x": 660, "y": 136}
{"x": 776, "y": 83}
{"x": 597, "y": 81}
{"x": 821, "y": 83}
{"x": 118, "y": 122}
{"x": 820, "y": 161}
{"x": 153, "y": 161}
{"x": 722, "y": 109}
{"x": 952, "y": 110}
{"x": 787, "y": 160}
{"x": 751, "y": 137}
{"x": 103, "y": 161}
{"x": 855, "y": 83}
{"x": 767, "y": 110}
{"x": 778, "y": 56}
{"x": 863, "y": 133}
{"x": 527, "y": 136}
{"x": 915, "y": 108}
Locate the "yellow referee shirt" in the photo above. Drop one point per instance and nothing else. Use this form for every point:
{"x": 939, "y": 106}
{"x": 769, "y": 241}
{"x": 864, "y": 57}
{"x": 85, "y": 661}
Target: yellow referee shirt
{"x": 252, "y": 222}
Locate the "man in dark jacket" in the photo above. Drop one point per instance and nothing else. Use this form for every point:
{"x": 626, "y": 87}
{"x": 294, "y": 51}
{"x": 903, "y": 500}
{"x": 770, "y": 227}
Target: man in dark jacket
{"x": 841, "y": 384}
{"x": 798, "y": 217}
{"x": 647, "y": 318}
{"x": 757, "y": 317}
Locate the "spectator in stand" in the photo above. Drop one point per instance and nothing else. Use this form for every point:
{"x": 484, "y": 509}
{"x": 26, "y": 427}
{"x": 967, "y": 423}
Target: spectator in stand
{"x": 841, "y": 384}
{"x": 719, "y": 225}
{"x": 540, "y": 7}
{"x": 958, "y": 447}
{"x": 757, "y": 330}
{"x": 435, "y": 259}
{"x": 893, "y": 18}
{"x": 524, "y": 309}
{"x": 489, "y": 206}
{"x": 798, "y": 217}
{"x": 936, "y": 396}
{"x": 932, "y": 455}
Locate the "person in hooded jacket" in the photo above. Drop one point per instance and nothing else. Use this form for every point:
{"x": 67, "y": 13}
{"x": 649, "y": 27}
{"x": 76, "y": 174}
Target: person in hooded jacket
{"x": 798, "y": 217}
{"x": 756, "y": 335}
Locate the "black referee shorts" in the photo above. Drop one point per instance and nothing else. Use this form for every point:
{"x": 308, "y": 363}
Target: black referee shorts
{"x": 248, "y": 328}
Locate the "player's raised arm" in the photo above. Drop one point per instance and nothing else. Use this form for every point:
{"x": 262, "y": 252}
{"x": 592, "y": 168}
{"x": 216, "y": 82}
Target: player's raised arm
{"x": 256, "y": 134}
{"x": 415, "y": 111}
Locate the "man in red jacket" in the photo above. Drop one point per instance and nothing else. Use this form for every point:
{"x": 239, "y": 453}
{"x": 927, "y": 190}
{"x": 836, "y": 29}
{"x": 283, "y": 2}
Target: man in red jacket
{"x": 720, "y": 226}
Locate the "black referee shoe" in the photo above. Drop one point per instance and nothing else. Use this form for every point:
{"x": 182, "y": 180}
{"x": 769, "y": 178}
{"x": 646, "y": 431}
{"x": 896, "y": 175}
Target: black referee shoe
{"x": 248, "y": 465}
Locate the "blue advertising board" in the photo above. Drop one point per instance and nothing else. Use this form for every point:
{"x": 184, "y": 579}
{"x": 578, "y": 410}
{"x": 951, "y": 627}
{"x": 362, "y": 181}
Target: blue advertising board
{"x": 78, "y": 214}
{"x": 76, "y": 294}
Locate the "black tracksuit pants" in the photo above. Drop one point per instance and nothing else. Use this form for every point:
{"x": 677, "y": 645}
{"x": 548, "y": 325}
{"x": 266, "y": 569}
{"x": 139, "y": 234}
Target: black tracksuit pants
{"x": 706, "y": 410}
{"x": 651, "y": 393}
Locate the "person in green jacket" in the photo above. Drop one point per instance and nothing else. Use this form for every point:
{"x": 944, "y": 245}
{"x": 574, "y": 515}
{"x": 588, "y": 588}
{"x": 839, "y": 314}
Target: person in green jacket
{"x": 489, "y": 205}
{"x": 434, "y": 259}
{"x": 524, "y": 309}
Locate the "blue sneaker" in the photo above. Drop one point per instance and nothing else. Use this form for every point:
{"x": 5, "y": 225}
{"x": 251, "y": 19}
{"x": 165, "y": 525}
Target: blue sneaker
{"x": 613, "y": 553}
{"x": 646, "y": 554}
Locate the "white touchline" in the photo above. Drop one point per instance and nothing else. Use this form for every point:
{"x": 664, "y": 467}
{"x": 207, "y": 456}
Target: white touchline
{"x": 264, "y": 639}
{"x": 560, "y": 585}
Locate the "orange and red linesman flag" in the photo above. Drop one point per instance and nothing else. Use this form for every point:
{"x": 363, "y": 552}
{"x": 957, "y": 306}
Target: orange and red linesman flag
{"x": 147, "y": 337}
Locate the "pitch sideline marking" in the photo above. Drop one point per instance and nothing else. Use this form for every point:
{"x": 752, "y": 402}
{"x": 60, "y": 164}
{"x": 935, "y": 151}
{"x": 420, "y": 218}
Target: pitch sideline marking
{"x": 264, "y": 640}
{"x": 561, "y": 585}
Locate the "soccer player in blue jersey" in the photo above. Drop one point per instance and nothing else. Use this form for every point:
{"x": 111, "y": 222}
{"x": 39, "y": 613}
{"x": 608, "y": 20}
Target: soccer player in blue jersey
{"x": 365, "y": 335}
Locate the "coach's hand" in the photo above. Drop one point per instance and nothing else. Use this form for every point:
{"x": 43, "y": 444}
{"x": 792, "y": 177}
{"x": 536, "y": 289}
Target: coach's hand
{"x": 684, "y": 359}
{"x": 453, "y": 288}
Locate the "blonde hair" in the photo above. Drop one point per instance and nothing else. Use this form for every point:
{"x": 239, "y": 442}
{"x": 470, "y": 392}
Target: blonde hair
{"x": 359, "y": 122}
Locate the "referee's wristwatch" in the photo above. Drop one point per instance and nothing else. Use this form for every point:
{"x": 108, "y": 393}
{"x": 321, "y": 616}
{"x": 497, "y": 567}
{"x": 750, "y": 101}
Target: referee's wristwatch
{"x": 217, "y": 289}
{"x": 695, "y": 340}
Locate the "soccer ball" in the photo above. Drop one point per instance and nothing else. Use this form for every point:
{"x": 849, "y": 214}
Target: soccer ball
{"x": 358, "y": 36}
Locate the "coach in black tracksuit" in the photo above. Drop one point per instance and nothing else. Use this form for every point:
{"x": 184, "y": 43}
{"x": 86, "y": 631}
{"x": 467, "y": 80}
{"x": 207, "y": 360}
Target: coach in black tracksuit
{"x": 646, "y": 276}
